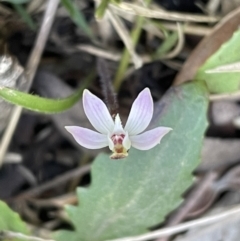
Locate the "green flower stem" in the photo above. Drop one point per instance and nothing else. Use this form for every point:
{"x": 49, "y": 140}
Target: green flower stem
{"x": 101, "y": 9}
{"x": 135, "y": 34}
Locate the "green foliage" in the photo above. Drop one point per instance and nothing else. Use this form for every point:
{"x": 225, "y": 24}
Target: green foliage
{"x": 25, "y": 16}
{"x": 167, "y": 45}
{"x": 127, "y": 197}
{"x": 101, "y": 8}
{"x": 10, "y": 221}
{"x": 77, "y": 16}
{"x": 16, "y": 1}
{"x": 227, "y": 54}
{"x": 40, "y": 104}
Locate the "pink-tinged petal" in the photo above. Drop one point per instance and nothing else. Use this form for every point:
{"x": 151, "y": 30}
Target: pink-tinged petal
{"x": 126, "y": 142}
{"x": 88, "y": 138}
{"x": 141, "y": 113}
{"x": 97, "y": 113}
{"x": 149, "y": 139}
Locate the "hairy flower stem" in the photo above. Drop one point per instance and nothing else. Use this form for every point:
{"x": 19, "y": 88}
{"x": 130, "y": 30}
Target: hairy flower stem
{"x": 135, "y": 34}
{"x": 107, "y": 86}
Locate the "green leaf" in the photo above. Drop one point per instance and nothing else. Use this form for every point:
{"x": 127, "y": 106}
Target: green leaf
{"x": 25, "y": 16}
{"x": 77, "y": 16}
{"x": 167, "y": 45}
{"x": 10, "y": 221}
{"x": 101, "y": 9}
{"x": 227, "y": 54}
{"x": 128, "y": 196}
{"x": 40, "y": 104}
{"x": 16, "y": 1}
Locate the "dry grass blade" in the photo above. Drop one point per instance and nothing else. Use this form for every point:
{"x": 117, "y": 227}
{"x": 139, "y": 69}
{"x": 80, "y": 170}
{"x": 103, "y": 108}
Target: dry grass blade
{"x": 162, "y": 14}
{"x": 234, "y": 212}
{"x": 123, "y": 33}
{"x": 190, "y": 29}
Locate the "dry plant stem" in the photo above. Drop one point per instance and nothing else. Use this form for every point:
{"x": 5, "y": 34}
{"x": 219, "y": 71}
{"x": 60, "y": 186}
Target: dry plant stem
{"x": 191, "y": 201}
{"x": 148, "y": 26}
{"x": 8, "y": 235}
{"x": 125, "y": 56}
{"x": 60, "y": 202}
{"x": 229, "y": 96}
{"x": 123, "y": 33}
{"x": 190, "y": 29}
{"x": 135, "y": 34}
{"x": 230, "y": 214}
{"x": 106, "y": 54}
{"x": 55, "y": 182}
{"x": 162, "y": 14}
{"x": 30, "y": 71}
{"x": 212, "y": 6}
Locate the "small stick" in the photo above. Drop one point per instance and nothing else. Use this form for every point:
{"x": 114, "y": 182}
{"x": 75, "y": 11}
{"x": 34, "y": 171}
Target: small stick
{"x": 233, "y": 212}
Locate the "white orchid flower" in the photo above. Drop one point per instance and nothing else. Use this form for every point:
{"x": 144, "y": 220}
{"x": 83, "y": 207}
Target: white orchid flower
{"x": 111, "y": 132}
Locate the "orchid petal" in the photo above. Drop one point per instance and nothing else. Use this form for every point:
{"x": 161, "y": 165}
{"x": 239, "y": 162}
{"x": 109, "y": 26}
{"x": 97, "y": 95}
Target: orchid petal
{"x": 149, "y": 139}
{"x": 88, "y": 138}
{"x": 97, "y": 113}
{"x": 141, "y": 113}
{"x": 126, "y": 142}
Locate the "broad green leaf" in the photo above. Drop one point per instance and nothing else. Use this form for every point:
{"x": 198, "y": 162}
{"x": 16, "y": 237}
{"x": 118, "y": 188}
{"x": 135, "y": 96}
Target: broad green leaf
{"x": 40, "y": 104}
{"x": 77, "y": 16}
{"x": 128, "y": 196}
{"x": 10, "y": 221}
{"x": 227, "y": 54}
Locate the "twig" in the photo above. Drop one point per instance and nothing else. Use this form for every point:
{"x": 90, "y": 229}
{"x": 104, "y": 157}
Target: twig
{"x": 12, "y": 235}
{"x": 162, "y": 14}
{"x": 55, "y": 182}
{"x": 30, "y": 71}
{"x": 184, "y": 226}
